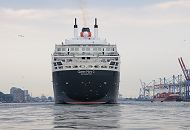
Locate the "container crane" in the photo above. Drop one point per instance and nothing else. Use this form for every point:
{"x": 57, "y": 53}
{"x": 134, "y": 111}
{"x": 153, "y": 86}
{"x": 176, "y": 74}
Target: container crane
{"x": 184, "y": 69}
{"x": 187, "y": 77}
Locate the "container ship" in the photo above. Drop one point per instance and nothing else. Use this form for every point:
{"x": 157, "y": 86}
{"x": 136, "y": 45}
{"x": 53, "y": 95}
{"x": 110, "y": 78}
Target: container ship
{"x": 86, "y": 69}
{"x": 167, "y": 97}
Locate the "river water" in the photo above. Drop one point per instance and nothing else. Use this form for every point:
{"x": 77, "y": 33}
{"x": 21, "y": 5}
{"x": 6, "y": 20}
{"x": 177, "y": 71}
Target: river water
{"x": 129, "y": 115}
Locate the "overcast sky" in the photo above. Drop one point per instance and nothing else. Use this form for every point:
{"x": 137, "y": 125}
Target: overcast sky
{"x": 150, "y": 34}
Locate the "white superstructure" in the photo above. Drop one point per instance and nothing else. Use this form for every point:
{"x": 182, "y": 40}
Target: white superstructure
{"x": 85, "y": 52}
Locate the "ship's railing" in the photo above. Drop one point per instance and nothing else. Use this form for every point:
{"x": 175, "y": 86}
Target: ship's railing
{"x": 86, "y": 54}
{"x": 85, "y": 41}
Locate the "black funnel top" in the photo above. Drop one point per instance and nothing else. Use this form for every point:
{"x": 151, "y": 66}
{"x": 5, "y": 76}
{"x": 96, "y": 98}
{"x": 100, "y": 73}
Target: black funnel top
{"x": 95, "y": 25}
{"x": 75, "y": 26}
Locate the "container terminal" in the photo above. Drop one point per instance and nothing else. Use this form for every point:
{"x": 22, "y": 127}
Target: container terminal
{"x": 174, "y": 88}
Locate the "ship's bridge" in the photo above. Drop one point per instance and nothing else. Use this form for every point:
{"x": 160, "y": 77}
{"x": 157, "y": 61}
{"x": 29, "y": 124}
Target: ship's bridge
{"x": 86, "y": 49}
{"x": 81, "y": 40}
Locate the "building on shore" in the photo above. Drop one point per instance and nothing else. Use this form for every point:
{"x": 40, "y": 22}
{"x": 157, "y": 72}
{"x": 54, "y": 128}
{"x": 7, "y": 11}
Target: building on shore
{"x": 18, "y": 95}
{"x": 27, "y": 96}
{"x": 6, "y": 98}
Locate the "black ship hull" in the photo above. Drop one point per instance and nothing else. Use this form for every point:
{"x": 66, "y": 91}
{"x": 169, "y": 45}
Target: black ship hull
{"x": 85, "y": 86}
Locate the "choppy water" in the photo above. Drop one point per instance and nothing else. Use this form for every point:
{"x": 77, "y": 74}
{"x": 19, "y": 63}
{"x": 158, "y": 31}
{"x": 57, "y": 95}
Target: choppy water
{"x": 126, "y": 115}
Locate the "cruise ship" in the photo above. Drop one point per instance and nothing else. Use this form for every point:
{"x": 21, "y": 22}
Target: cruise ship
{"x": 86, "y": 69}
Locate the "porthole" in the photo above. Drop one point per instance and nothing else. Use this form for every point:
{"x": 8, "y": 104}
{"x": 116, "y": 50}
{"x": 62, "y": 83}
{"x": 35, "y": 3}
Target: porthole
{"x": 82, "y": 66}
{"x": 103, "y": 60}
{"x": 112, "y": 63}
{"x": 69, "y": 60}
{"x": 59, "y": 63}
{"x": 103, "y": 66}
{"x": 75, "y": 66}
{"x": 90, "y": 66}
{"x": 96, "y": 66}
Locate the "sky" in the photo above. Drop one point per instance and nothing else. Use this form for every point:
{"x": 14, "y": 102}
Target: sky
{"x": 150, "y": 36}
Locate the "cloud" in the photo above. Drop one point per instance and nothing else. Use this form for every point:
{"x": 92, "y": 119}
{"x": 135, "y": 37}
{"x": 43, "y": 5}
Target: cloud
{"x": 35, "y": 14}
{"x": 157, "y": 14}
{"x": 22, "y": 13}
{"x": 174, "y": 4}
